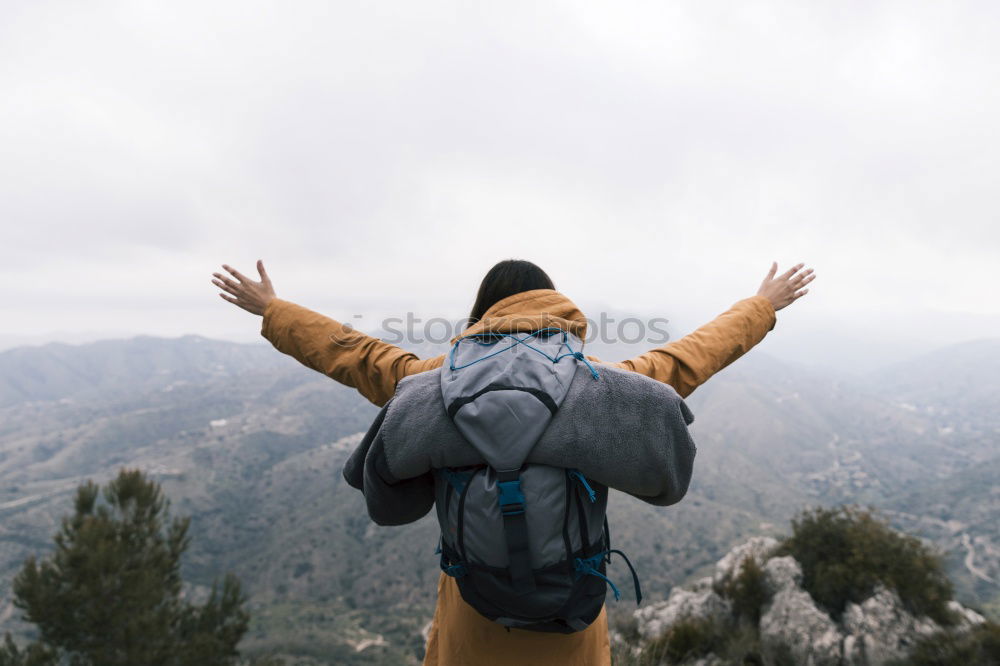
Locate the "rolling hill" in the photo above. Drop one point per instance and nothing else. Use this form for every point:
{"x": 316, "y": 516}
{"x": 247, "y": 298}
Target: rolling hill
{"x": 251, "y": 445}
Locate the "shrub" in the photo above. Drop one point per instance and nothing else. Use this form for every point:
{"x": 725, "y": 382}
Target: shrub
{"x": 846, "y": 551}
{"x": 747, "y": 591}
{"x": 627, "y": 625}
{"x": 980, "y": 645}
{"x": 685, "y": 639}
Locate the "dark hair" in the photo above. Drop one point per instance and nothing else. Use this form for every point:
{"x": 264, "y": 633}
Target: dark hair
{"x": 508, "y": 277}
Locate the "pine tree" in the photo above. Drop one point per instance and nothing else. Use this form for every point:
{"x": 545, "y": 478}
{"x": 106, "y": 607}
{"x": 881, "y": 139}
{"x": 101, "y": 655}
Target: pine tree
{"x": 110, "y": 594}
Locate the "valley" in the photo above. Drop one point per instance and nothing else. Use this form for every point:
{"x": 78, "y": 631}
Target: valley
{"x": 251, "y": 445}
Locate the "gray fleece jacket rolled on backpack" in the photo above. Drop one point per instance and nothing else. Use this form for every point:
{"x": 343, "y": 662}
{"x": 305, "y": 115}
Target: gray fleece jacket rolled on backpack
{"x": 516, "y": 440}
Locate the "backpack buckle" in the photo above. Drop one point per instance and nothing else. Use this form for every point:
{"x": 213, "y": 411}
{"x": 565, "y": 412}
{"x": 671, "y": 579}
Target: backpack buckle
{"x": 511, "y": 497}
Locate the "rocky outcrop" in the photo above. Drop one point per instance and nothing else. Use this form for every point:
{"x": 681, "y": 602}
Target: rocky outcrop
{"x": 967, "y": 618}
{"x": 781, "y": 573}
{"x": 880, "y": 630}
{"x": 792, "y": 628}
{"x": 730, "y": 566}
{"x": 792, "y": 625}
{"x": 701, "y": 601}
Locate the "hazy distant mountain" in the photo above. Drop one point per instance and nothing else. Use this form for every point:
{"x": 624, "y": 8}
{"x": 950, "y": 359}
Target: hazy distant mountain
{"x": 115, "y": 367}
{"x": 958, "y": 385}
{"x": 251, "y": 445}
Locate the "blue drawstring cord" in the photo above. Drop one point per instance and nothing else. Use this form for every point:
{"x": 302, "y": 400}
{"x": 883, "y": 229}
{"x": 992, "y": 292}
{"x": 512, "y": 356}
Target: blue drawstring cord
{"x": 588, "y": 567}
{"x": 516, "y": 341}
{"x": 578, "y": 355}
{"x": 582, "y": 479}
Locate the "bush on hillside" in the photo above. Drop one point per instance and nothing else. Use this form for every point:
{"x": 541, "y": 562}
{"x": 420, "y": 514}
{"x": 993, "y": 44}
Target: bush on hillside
{"x": 747, "y": 591}
{"x": 691, "y": 639}
{"x": 980, "y": 646}
{"x": 846, "y": 552}
{"x": 686, "y": 639}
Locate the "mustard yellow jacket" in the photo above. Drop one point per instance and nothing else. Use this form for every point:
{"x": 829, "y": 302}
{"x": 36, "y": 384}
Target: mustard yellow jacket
{"x": 459, "y": 635}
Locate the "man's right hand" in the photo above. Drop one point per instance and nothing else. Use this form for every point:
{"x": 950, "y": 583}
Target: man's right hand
{"x": 248, "y": 294}
{"x": 787, "y": 287}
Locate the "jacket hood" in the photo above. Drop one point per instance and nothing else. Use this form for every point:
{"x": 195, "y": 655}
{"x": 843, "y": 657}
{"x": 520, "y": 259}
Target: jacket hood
{"x": 531, "y": 311}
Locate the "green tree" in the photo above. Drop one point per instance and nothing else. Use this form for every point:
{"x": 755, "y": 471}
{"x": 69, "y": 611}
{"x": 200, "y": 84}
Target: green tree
{"x": 110, "y": 594}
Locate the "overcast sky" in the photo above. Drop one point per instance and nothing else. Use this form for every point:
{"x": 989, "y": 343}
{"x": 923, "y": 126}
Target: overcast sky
{"x": 653, "y": 157}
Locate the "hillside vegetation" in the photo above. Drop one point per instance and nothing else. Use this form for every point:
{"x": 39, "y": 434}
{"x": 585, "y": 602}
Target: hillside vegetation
{"x": 251, "y": 445}
{"x": 846, "y": 552}
{"x": 842, "y": 588}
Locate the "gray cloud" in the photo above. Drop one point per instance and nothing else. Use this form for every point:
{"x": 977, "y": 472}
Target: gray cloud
{"x": 652, "y": 157}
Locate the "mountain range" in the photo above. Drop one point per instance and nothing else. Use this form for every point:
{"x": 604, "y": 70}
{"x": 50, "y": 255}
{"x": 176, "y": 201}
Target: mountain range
{"x": 250, "y": 445}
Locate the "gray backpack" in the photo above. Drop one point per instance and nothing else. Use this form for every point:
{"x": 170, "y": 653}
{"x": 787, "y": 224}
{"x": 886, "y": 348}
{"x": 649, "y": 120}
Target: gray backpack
{"x": 528, "y": 544}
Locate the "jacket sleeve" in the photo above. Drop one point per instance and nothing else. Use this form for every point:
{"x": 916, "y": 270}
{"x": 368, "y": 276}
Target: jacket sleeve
{"x": 687, "y": 363}
{"x": 339, "y": 351}
{"x": 390, "y": 501}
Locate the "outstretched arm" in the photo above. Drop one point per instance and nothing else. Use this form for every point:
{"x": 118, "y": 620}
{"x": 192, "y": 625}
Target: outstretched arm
{"x": 687, "y": 363}
{"x": 323, "y": 344}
